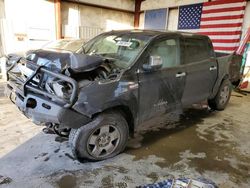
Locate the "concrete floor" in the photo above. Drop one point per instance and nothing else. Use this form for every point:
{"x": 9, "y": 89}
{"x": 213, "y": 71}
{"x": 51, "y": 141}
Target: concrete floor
{"x": 214, "y": 145}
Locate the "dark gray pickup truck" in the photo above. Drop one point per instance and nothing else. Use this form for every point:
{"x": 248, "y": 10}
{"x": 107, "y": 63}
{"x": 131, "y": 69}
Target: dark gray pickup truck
{"x": 103, "y": 93}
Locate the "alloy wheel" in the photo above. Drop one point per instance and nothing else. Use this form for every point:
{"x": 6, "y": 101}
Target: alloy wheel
{"x": 103, "y": 141}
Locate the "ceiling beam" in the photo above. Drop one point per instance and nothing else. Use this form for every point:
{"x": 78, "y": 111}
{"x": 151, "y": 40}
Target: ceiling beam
{"x": 99, "y": 6}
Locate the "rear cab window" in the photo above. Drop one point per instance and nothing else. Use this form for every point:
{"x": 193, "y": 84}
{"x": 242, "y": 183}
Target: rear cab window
{"x": 197, "y": 49}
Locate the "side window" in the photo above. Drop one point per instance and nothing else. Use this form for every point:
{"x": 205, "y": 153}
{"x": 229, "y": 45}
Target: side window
{"x": 168, "y": 51}
{"x": 196, "y": 50}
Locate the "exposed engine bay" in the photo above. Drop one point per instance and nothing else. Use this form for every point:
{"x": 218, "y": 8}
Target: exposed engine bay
{"x": 105, "y": 71}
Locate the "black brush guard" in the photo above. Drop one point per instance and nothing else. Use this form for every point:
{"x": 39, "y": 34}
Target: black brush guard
{"x": 24, "y": 86}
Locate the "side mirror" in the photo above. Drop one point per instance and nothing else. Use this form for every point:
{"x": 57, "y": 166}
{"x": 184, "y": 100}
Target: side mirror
{"x": 155, "y": 63}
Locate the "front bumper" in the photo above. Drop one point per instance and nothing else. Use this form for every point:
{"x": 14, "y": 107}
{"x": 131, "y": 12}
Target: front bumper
{"x": 41, "y": 110}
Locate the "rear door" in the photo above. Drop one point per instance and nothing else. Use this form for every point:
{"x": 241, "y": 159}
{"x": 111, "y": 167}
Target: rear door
{"x": 161, "y": 91}
{"x": 201, "y": 69}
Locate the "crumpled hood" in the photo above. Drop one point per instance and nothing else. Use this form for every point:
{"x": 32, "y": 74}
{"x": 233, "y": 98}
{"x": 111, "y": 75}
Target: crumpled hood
{"x": 64, "y": 59}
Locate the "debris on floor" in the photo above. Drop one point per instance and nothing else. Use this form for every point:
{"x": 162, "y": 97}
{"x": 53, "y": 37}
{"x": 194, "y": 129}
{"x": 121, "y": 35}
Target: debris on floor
{"x": 183, "y": 183}
{"x": 4, "y": 180}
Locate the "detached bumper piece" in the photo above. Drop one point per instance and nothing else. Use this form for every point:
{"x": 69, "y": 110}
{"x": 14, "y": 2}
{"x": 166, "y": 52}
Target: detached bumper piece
{"x": 41, "y": 106}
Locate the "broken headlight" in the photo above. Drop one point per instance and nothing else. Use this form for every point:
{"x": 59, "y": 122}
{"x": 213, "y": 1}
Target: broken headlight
{"x": 60, "y": 88}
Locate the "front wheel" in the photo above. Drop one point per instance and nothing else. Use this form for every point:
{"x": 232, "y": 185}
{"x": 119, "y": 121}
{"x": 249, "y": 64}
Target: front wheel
{"x": 222, "y": 97}
{"x": 104, "y": 137}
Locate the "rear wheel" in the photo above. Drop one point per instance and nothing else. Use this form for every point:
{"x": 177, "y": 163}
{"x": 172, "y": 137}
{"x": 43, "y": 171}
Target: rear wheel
{"x": 222, "y": 97}
{"x": 104, "y": 137}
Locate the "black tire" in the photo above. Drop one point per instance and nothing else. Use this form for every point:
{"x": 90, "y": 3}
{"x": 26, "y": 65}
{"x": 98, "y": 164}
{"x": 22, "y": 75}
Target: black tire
{"x": 220, "y": 101}
{"x": 81, "y": 139}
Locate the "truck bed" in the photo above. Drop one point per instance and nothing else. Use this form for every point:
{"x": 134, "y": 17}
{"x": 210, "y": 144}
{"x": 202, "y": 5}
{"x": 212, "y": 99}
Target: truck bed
{"x": 234, "y": 65}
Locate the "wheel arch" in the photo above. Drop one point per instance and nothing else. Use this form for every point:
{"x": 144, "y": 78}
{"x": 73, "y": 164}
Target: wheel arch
{"x": 126, "y": 113}
{"x": 218, "y": 84}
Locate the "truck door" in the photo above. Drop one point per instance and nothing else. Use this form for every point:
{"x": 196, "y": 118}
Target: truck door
{"x": 161, "y": 90}
{"x": 201, "y": 70}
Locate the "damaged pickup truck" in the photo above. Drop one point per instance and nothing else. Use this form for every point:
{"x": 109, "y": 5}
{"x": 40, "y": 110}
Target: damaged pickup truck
{"x": 103, "y": 93}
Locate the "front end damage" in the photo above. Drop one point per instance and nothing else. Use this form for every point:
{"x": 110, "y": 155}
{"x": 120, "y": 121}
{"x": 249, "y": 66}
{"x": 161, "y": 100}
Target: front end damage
{"x": 45, "y": 92}
{"x": 35, "y": 102}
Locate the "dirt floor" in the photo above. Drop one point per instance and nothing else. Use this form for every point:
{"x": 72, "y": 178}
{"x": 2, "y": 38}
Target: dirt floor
{"x": 201, "y": 143}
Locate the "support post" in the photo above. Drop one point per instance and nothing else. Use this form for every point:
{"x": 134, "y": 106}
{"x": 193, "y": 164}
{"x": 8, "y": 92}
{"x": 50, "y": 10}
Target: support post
{"x": 137, "y": 13}
{"x": 58, "y": 19}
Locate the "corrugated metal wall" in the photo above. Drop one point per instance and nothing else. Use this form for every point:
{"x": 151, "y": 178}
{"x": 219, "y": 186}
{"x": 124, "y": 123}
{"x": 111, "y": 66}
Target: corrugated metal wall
{"x": 89, "y": 32}
{"x": 83, "y": 32}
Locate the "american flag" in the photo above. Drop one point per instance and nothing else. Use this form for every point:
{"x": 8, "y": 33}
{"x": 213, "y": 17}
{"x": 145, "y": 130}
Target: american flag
{"x": 221, "y": 20}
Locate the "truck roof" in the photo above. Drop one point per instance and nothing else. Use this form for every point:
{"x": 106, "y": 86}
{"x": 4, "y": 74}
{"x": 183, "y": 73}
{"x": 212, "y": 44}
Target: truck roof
{"x": 155, "y": 33}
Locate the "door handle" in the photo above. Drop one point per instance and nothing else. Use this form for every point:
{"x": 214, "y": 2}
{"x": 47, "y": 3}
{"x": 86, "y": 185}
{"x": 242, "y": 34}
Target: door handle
{"x": 212, "y": 68}
{"x": 181, "y": 74}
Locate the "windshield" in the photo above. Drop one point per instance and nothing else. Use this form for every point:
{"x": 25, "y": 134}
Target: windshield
{"x": 69, "y": 45}
{"x": 122, "y": 49}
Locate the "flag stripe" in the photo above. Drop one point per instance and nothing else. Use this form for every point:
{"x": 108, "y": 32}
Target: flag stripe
{"x": 225, "y": 48}
{"x": 223, "y": 6}
{"x": 221, "y": 2}
{"x": 222, "y": 14}
{"x": 226, "y": 29}
{"x": 220, "y": 25}
{"x": 223, "y": 17}
{"x": 225, "y": 40}
{"x": 221, "y": 29}
{"x": 222, "y": 21}
{"x": 224, "y": 37}
{"x": 223, "y": 10}
{"x": 221, "y": 33}
{"x": 233, "y": 44}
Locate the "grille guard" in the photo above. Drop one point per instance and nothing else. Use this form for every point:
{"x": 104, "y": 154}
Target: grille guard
{"x": 26, "y": 85}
